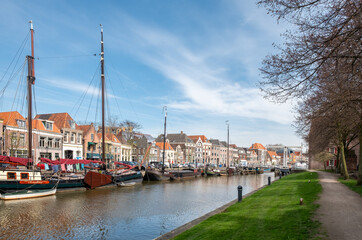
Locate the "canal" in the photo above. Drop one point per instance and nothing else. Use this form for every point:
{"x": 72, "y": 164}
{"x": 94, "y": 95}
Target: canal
{"x": 140, "y": 212}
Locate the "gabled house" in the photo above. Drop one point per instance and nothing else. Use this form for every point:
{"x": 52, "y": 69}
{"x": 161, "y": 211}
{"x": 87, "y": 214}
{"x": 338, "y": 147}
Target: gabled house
{"x": 169, "y": 152}
{"x": 261, "y": 153}
{"x": 15, "y": 134}
{"x": 90, "y": 142}
{"x": 72, "y": 135}
{"x": 203, "y": 148}
{"x": 274, "y": 158}
{"x": 47, "y": 140}
{"x": 215, "y": 151}
{"x": 186, "y": 144}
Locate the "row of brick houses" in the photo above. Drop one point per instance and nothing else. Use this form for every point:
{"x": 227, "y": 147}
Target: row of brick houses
{"x": 57, "y": 135}
{"x": 182, "y": 148}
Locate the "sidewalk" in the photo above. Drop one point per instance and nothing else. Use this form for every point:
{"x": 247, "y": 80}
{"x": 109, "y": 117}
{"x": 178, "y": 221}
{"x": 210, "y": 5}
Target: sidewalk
{"x": 340, "y": 210}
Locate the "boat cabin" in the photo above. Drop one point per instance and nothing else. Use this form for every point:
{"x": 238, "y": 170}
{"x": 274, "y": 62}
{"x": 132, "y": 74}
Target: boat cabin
{"x": 19, "y": 175}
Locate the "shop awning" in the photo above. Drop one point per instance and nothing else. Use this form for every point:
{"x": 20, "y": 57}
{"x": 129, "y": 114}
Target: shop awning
{"x": 91, "y": 144}
{"x": 93, "y": 155}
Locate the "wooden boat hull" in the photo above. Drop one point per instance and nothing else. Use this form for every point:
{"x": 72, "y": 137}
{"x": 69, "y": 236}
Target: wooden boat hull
{"x": 208, "y": 173}
{"x": 24, "y": 194}
{"x": 94, "y": 179}
{"x": 16, "y": 185}
{"x": 156, "y": 175}
{"x": 124, "y": 178}
{"x": 185, "y": 174}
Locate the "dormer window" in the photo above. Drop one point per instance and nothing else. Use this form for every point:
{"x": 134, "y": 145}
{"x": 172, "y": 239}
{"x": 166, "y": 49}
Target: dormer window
{"x": 21, "y": 123}
{"x": 48, "y": 125}
{"x": 72, "y": 124}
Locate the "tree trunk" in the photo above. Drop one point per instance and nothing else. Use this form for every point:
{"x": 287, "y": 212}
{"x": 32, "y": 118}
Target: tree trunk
{"x": 338, "y": 161}
{"x": 343, "y": 159}
{"x": 359, "y": 176}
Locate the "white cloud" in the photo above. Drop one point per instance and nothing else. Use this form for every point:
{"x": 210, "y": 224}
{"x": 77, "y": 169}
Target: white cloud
{"x": 75, "y": 86}
{"x": 205, "y": 86}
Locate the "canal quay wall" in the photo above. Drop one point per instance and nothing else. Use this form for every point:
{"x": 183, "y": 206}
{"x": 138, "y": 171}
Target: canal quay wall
{"x": 198, "y": 220}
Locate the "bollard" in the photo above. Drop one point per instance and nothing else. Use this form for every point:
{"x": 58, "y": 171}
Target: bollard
{"x": 240, "y": 193}
{"x": 269, "y": 180}
{"x": 280, "y": 175}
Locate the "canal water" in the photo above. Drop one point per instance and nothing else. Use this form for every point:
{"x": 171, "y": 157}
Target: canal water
{"x": 140, "y": 212}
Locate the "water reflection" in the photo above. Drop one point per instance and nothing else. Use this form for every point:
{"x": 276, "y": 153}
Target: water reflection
{"x": 140, "y": 212}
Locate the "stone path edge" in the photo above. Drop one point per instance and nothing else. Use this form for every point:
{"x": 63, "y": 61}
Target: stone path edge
{"x": 198, "y": 220}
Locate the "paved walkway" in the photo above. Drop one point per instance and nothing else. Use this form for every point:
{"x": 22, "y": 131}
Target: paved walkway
{"x": 340, "y": 210}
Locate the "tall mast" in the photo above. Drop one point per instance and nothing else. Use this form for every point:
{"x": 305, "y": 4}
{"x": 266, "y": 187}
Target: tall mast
{"x": 31, "y": 80}
{"x": 164, "y": 140}
{"x": 103, "y": 87}
{"x": 227, "y": 161}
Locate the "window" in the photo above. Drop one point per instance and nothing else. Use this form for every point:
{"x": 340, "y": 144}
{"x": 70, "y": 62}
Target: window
{"x": 14, "y": 139}
{"x": 72, "y": 139}
{"x": 24, "y": 176}
{"x": 331, "y": 163}
{"x": 57, "y": 143}
{"x": 51, "y": 142}
{"x": 66, "y": 134}
{"x": 42, "y": 142}
{"x": 22, "y": 139}
{"x": 92, "y": 137}
{"x": 79, "y": 140}
{"x": 72, "y": 124}
{"x": 21, "y": 123}
{"x": 49, "y": 126}
{"x": 56, "y": 155}
{"x": 12, "y": 175}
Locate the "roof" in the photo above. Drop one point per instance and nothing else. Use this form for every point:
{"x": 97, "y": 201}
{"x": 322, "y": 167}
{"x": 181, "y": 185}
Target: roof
{"x": 11, "y": 117}
{"x": 109, "y": 137}
{"x": 215, "y": 141}
{"x": 141, "y": 142}
{"x": 167, "y": 145}
{"x": 38, "y": 124}
{"x": 175, "y": 138}
{"x": 257, "y": 146}
{"x": 84, "y": 128}
{"x": 233, "y": 146}
{"x": 61, "y": 120}
{"x": 272, "y": 153}
{"x": 195, "y": 138}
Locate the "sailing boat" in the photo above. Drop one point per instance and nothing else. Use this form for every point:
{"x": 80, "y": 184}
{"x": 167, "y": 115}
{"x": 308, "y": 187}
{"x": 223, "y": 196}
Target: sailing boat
{"x": 162, "y": 175}
{"x": 22, "y": 178}
{"x": 36, "y": 176}
{"x": 94, "y": 179}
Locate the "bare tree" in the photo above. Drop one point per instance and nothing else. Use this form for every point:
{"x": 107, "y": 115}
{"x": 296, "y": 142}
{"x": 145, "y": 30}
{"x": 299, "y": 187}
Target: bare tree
{"x": 129, "y": 128}
{"x": 320, "y": 61}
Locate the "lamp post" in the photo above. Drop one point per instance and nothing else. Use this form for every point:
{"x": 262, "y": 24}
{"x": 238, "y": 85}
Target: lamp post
{"x": 227, "y": 160}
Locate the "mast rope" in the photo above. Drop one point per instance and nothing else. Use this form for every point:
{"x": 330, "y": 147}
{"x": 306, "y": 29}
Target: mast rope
{"x": 91, "y": 100}
{"x": 82, "y": 97}
{"x": 21, "y": 90}
{"x": 124, "y": 89}
{"x": 17, "y": 87}
{"x": 110, "y": 83}
{"x": 18, "y": 53}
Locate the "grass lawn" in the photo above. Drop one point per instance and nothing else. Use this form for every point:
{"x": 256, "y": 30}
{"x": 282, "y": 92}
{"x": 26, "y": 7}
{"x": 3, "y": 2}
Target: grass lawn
{"x": 271, "y": 213}
{"x": 351, "y": 183}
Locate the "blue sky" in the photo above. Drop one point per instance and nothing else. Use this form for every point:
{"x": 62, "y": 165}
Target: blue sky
{"x": 200, "y": 58}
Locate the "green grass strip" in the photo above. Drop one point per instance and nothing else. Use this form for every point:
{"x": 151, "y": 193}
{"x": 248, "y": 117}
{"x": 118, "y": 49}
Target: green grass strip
{"x": 352, "y": 184}
{"x": 271, "y": 213}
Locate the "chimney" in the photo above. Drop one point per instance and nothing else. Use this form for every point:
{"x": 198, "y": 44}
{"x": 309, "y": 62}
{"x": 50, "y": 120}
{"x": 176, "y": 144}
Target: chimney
{"x": 182, "y": 132}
